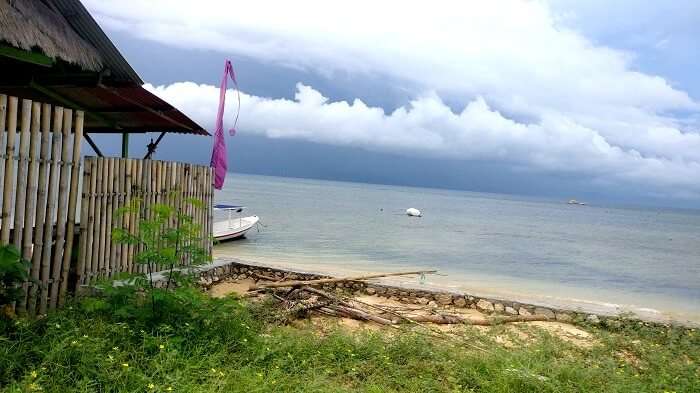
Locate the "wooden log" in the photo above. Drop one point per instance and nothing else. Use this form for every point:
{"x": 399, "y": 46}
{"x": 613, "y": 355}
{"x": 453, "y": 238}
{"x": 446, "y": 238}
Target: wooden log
{"x": 22, "y": 168}
{"x": 360, "y": 314}
{"x": 457, "y": 319}
{"x": 30, "y": 216}
{"x": 9, "y": 178}
{"x": 51, "y": 196}
{"x": 334, "y": 280}
{"x": 41, "y": 207}
{"x": 62, "y": 212}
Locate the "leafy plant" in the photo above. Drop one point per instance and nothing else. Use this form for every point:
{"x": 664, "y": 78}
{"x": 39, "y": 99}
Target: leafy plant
{"x": 170, "y": 240}
{"x": 13, "y": 272}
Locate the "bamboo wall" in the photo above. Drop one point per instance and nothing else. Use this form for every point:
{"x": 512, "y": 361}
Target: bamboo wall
{"x": 40, "y": 171}
{"x": 112, "y": 183}
{"x": 40, "y": 174}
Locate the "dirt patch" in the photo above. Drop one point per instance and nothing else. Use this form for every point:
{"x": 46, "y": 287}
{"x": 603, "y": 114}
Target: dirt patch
{"x": 238, "y": 287}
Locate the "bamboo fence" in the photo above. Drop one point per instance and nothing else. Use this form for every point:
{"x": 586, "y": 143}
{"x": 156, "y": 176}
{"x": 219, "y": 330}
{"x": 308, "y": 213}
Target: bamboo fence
{"x": 40, "y": 147}
{"x": 110, "y": 184}
{"x": 40, "y": 174}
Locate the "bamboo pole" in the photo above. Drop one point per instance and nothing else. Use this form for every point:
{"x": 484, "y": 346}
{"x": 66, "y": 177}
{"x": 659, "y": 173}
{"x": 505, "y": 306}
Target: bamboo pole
{"x": 8, "y": 183}
{"x": 91, "y": 264}
{"x": 109, "y": 187}
{"x": 30, "y": 216}
{"x": 334, "y": 280}
{"x": 56, "y": 139}
{"x": 3, "y": 121}
{"x": 96, "y": 262}
{"x": 138, "y": 180}
{"x": 115, "y": 249}
{"x": 84, "y": 205}
{"x": 72, "y": 205}
{"x": 126, "y": 248}
{"x": 61, "y": 215}
{"x": 22, "y": 167}
{"x": 41, "y": 194}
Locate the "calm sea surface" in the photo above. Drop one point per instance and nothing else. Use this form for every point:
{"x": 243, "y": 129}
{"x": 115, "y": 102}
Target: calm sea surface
{"x": 598, "y": 258}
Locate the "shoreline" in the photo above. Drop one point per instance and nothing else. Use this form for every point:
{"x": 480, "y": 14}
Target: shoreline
{"x": 401, "y": 289}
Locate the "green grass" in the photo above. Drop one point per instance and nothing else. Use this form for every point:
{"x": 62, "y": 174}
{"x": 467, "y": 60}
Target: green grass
{"x": 199, "y": 344}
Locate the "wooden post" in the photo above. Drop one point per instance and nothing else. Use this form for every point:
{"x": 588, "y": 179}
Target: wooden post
{"x": 72, "y": 205}
{"x": 97, "y": 239}
{"x": 84, "y": 206}
{"x": 51, "y": 207}
{"x": 9, "y": 178}
{"x": 109, "y": 190}
{"x": 3, "y": 121}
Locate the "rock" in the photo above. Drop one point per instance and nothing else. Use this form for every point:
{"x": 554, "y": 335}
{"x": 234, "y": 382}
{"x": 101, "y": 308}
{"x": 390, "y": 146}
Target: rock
{"x": 471, "y": 299}
{"x": 563, "y": 317}
{"x": 592, "y": 318}
{"x": 423, "y": 301}
{"x": 394, "y": 298}
{"x": 498, "y": 307}
{"x": 403, "y": 294}
{"x": 524, "y": 312}
{"x": 460, "y": 302}
{"x": 432, "y": 304}
{"x": 391, "y": 291}
{"x": 405, "y": 300}
{"x": 371, "y": 291}
{"x": 444, "y": 299}
{"x": 511, "y": 311}
{"x": 544, "y": 312}
{"x": 484, "y": 305}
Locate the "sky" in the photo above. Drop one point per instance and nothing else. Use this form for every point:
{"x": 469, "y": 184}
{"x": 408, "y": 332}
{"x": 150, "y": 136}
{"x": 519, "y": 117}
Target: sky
{"x": 594, "y": 100}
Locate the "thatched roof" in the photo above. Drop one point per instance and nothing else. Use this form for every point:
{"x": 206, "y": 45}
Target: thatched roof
{"x": 34, "y": 24}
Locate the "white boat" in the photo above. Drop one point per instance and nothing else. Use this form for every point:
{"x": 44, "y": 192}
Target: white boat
{"x": 575, "y": 202}
{"x": 233, "y": 227}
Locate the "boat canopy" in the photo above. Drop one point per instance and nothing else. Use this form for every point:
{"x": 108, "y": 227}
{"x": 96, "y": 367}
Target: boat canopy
{"x": 229, "y": 207}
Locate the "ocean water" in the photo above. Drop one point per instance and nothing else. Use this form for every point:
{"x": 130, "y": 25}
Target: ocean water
{"x": 596, "y": 258}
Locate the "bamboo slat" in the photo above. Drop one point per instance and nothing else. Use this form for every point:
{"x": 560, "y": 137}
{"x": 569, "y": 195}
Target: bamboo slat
{"x": 84, "y": 206}
{"x": 8, "y": 180}
{"x": 96, "y": 239}
{"x": 22, "y": 168}
{"x": 56, "y": 139}
{"x": 3, "y": 121}
{"x": 62, "y": 212}
{"x": 109, "y": 190}
{"x": 33, "y": 167}
{"x": 89, "y": 233}
{"x": 41, "y": 203}
{"x": 72, "y": 205}
{"x": 126, "y": 248}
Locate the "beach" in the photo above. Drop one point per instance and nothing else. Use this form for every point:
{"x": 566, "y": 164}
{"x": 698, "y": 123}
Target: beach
{"x": 605, "y": 260}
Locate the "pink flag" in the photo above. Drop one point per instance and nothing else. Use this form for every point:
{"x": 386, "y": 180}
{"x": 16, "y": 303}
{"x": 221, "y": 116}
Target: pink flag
{"x": 218, "y": 154}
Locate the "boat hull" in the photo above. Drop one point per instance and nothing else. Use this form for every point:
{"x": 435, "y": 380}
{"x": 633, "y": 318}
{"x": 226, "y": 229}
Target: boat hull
{"x": 233, "y": 228}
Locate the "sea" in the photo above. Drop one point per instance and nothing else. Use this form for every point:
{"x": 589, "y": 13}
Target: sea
{"x": 601, "y": 259}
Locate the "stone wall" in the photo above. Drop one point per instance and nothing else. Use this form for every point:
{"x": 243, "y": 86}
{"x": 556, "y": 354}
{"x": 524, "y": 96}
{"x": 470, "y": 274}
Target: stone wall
{"x": 239, "y": 270}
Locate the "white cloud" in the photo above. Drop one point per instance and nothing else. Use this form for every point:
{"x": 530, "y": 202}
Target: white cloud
{"x": 593, "y": 112}
{"x": 428, "y": 127}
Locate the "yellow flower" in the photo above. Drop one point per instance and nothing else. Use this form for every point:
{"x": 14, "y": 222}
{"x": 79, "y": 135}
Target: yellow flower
{"x": 151, "y": 386}
{"x": 34, "y": 374}
{"x": 213, "y": 370}
{"x": 161, "y": 346}
{"x": 169, "y": 388}
{"x": 34, "y": 386}
{"x": 115, "y": 348}
{"x": 73, "y": 342}
{"x": 125, "y": 365}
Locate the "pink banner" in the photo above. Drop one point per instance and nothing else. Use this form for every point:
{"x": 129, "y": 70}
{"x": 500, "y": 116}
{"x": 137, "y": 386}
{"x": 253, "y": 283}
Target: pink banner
{"x": 218, "y": 154}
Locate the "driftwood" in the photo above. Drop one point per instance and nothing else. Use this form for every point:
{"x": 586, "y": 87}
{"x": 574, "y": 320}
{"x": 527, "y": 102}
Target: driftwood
{"x": 334, "y": 280}
{"x": 457, "y": 319}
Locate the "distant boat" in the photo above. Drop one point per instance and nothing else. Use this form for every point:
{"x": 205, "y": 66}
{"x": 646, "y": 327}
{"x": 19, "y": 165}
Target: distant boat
{"x": 575, "y": 202}
{"x": 232, "y": 228}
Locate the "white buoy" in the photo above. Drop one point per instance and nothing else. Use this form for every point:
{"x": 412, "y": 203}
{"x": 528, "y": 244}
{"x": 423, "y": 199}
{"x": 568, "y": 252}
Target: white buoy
{"x": 413, "y": 212}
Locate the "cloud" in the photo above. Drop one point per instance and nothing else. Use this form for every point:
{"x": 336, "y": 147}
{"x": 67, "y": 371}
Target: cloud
{"x": 588, "y": 109}
{"x": 428, "y": 127}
